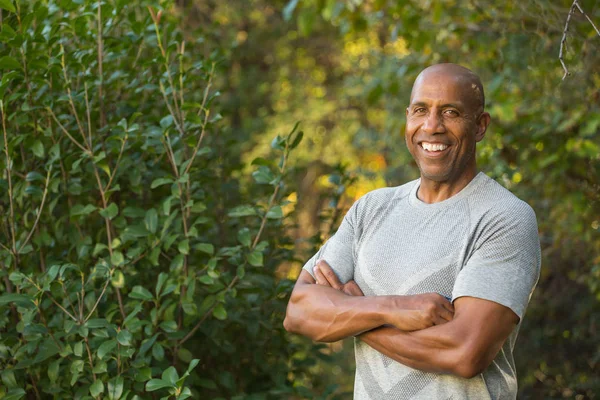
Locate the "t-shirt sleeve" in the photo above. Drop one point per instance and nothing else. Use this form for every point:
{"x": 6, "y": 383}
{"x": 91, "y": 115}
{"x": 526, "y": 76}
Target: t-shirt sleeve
{"x": 505, "y": 266}
{"x": 338, "y": 251}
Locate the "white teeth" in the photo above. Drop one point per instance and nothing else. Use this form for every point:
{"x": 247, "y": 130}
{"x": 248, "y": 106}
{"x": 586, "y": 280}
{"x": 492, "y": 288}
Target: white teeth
{"x": 434, "y": 146}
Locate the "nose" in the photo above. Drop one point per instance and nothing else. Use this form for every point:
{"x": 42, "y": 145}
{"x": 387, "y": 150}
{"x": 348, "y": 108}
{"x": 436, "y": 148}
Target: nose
{"x": 433, "y": 123}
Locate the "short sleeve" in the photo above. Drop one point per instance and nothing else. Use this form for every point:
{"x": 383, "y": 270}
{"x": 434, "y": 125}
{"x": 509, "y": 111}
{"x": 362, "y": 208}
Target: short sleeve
{"x": 505, "y": 265}
{"x": 338, "y": 251}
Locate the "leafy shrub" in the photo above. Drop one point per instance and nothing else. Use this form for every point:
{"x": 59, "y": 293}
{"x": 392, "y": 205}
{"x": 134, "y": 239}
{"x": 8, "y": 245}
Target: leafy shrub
{"x": 136, "y": 255}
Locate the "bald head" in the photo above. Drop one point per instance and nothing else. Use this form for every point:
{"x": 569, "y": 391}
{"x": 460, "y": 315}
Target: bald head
{"x": 469, "y": 82}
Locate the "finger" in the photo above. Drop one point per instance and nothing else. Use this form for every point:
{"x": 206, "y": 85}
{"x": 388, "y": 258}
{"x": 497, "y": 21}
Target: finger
{"x": 351, "y": 288}
{"x": 446, "y": 314}
{"x": 331, "y": 277}
{"x": 319, "y": 277}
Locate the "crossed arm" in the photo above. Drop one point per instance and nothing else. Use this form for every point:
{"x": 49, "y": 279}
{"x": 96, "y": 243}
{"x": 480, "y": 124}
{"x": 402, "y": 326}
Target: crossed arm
{"x": 422, "y": 331}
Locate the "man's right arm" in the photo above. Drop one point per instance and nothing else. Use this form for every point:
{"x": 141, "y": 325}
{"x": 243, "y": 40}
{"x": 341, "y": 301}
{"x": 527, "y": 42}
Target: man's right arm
{"x": 325, "y": 313}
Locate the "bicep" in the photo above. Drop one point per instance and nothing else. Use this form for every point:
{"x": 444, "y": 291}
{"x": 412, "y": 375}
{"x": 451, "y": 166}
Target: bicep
{"x": 484, "y": 326}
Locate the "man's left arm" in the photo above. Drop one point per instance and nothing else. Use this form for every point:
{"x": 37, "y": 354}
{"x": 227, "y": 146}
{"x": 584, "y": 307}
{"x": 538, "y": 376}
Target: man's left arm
{"x": 464, "y": 346}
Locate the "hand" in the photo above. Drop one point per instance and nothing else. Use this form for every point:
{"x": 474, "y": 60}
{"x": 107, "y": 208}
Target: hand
{"x": 420, "y": 311}
{"x": 325, "y": 276}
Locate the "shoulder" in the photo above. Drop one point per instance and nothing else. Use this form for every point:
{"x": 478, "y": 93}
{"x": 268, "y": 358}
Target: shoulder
{"x": 493, "y": 201}
{"x": 384, "y": 196}
{"x": 379, "y": 201}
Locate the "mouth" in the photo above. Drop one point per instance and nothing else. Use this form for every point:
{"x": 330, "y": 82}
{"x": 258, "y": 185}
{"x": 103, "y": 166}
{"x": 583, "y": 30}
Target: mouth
{"x": 434, "y": 149}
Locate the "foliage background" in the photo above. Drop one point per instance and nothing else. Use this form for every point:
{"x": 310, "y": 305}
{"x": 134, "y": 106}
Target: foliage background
{"x": 252, "y": 69}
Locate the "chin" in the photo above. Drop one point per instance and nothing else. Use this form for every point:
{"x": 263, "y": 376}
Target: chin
{"x": 435, "y": 176}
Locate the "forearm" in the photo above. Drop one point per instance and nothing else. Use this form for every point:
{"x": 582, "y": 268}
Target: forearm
{"x": 435, "y": 349}
{"x": 326, "y": 314}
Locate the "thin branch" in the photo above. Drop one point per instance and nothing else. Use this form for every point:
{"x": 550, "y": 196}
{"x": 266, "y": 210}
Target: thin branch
{"x": 86, "y": 151}
{"x": 37, "y": 218}
{"x": 87, "y": 346}
{"x": 98, "y": 301}
{"x": 564, "y": 37}
{"x": 89, "y": 119}
{"x": 588, "y": 18}
{"x": 206, "y": 113}
{"x": 563, "y": 41}
{"x": 100, "y": 56}
{"x": 10, "y": 188}
{"x": 71, "y": 102}
{"x": 173, "y": 114}
{"x": 114, "y": 171}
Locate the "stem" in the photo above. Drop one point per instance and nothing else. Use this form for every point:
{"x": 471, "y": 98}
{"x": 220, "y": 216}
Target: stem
{"x": 11, "y": 223}
{"x": 98, "y": 301}
{"x": 87, "y": 346}
{"x": 114, "y": 171}
{"x": 37, "y": 219}
{"x": 100, "y": 53}
{"x": 86, "y": 151}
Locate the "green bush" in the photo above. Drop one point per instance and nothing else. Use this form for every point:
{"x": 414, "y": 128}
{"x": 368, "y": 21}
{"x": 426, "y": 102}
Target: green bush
{"x": 136, "y": 253}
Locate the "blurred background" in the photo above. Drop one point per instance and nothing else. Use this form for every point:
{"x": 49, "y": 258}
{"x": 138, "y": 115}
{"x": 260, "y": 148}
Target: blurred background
{"x": 344, "y": 70}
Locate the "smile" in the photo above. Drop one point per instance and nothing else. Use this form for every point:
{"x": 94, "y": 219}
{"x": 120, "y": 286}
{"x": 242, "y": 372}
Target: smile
{"x": 433, "y": 147}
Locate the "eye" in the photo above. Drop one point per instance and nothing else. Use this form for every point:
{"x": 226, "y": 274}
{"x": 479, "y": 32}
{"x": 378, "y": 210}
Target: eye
{"x": 451, "y": 113}
{"x": 419, "y": 110}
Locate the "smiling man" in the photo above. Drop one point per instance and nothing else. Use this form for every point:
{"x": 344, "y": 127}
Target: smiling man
{"x": 433, "y": 277}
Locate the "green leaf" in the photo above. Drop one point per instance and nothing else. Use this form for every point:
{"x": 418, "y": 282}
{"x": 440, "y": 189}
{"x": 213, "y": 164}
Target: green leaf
{"x": 20, "y": 299}
{"x": 155, "y": 384}
{"x": 205, "y": 248}
{"x": 219, "y": 312}
{"x": 118, "y": 279}
{"x": 170, "y": 375}
{"x": 106, "y": 348}
{"x": 96, "y": 388}
{"x": 38, "y": 149}
{"x": 159, "y": 182}
{"x": 8, "y": 377}
{"x": 162, "y": 278}
{"x": 117, "y": 258}
{"x": 79, "y": 209}
{"x": 297, "y": 140}
{"x": 184, "y": 247}
{"x": 198, "y": 207}
{"x": 8, "y": 62}
{"x": 14, "y": 394}
{"x": 136, "y": 231}
{"x": 34, "y": 176}
{"x": 244, "y": 237}
{"x": 151, "y": 220}
{"x": 242, "y": 211}
{"x": 110, "y": 212}
{"x": 140, "y": 293}
{"x": 158, "y": 352}
{"x": 264, "y": 175}
{"x": 78, "y": 349}
{"x": 124, "y": 338}
{"x": 275, "y": 213}
{"x": 169, "y": 326}
{"x": 53, "y": 370}
{"x": 115, "y": 388}
{"x": 255, "y": 258}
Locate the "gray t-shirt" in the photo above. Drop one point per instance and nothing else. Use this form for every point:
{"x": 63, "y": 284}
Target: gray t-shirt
{"x": 482, "y": 242}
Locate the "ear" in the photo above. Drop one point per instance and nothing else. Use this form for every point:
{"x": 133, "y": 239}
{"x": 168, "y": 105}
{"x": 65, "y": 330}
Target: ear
{"x": 482, "y": 124}
{"x": 406, "y": 112}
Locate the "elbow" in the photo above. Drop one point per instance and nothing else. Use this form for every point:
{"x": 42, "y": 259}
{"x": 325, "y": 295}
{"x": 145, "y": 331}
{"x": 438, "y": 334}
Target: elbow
{"x": 470, "y": 365}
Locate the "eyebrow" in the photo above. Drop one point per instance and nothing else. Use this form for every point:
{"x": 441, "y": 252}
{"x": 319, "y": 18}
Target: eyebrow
{"x": 458, "y": 105}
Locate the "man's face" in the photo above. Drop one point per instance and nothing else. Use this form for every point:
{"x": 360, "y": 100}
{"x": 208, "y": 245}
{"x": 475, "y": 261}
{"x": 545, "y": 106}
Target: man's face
{"x": 443, "y": 122}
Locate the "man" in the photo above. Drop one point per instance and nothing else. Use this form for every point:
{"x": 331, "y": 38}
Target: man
{"x": 454, "y": 234}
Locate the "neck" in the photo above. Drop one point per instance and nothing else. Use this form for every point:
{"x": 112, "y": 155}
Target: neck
{"x": 431, "y": 191}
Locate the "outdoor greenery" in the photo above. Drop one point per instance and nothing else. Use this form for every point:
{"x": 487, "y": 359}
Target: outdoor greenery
{"x": 167, "y": 166}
